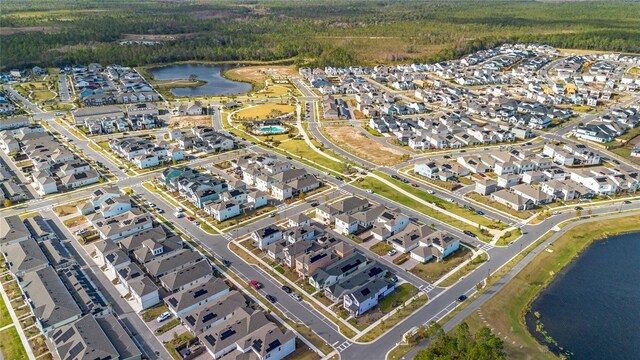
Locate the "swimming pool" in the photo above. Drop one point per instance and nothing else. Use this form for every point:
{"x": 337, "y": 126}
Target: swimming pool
{"x": 274, "y": 129}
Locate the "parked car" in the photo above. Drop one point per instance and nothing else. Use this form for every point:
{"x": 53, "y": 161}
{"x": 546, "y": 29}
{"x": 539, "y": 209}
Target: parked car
{"x": 178, "y": 215}
{"x": 286, "y": 289}
{"x": 164, "y": 316}
{"x": 370, "y": 191}
{"x": 578, "y": 208}
{"x": 462, "y": 298}
{"x": 479, "y": 212}
{"x": 160, "y": 211}
{"x": 450, "y": 200}
{"x": 190, "y": 218}
{"x": 414, "y": 185}
{"x": 272, "y": 299}
{"x": 296, "y": 296}
{"x": 469, "y": 233}
{"x": 255, "y": 284}
{"x": 557, "y": 213}
{"x": 626, "y": 202}
{"x": 482, "y": 175}
{"x": 314, "y": 204}
{"x": 392, "y": 252}
{"x": 179, "y": 209}
{"x": 431, "y": 191}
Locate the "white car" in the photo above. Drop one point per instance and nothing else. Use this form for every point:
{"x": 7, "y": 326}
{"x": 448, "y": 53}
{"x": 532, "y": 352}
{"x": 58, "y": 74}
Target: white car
{"x": 431, "y": 191}
{"x": 450, "y": 200}
{"x": 178, "y": 214}
{"x": 392, "y": 252}
{"x": 179, "y": 209}
{"x": 164, "y": 316}
{"x": 370, "y": 191}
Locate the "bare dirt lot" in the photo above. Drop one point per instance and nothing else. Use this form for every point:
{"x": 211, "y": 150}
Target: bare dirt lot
{"x": 258, "y": 74}
{"x": 353, "y": 140}
{"x": 189, "y": 121}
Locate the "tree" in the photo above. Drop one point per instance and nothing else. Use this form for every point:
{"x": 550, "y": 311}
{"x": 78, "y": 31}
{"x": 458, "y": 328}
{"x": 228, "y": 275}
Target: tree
{"x": 578, "y": 212}
{"x": 462, "y": 345}
{"x": 590, "y": 212}
{"x": 7, "y": 202}
{"x": 193, "y": 77}
{"x": 302, "y": 196}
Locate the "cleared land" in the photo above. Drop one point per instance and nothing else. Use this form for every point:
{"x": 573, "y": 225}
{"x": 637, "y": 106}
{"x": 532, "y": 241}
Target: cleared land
{"x": 257, "y": 75}
{"x": 505, "y": 311}
{"x": 189, "y": 121}
{"x": 434, "y": 270}
{"x": 354, "y": 141}
{"x": 264, "y": 111}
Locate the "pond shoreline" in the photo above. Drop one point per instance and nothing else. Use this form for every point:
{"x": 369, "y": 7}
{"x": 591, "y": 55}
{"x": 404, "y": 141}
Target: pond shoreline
{"x": 175, "y": 80}
{"x": 533, "y": 321}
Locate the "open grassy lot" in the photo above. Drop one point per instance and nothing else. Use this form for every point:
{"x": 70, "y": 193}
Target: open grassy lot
{"x": 434, "y": 270}
{"x": 354, "y": 141}
{"x": 381, "y": 248}
{"x": 300, "y": 148}
{"x": 505, "y": 310}
{"x": 402, "y": 293}
{"x": 189, "y": 121}
{"x": 11, "y": 346}
{"x": 5, "y": 318}
{"x": 264, "y": 111}
{"x": 471, "y": 265}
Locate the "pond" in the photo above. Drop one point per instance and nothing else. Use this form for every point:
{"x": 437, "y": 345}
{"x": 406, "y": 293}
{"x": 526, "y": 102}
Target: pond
{"x": 591, "y": 308}
{"x": 212, "y": 74}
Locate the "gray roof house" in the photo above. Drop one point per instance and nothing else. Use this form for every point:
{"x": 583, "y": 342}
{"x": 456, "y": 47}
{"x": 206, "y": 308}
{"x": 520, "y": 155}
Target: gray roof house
{"x": 190, "y": 299}
{"x": 24, "y": 256}
{"x": 51, "y": 303}
{"x": 214, "y": 312}
{"x": 12, "y": 230}
{"x": 187, "y": 277}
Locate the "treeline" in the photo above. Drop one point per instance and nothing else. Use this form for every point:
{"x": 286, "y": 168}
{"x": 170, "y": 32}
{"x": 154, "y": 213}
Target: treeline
{"x": 315, "y": 33}
{"x": 462, "y": 345}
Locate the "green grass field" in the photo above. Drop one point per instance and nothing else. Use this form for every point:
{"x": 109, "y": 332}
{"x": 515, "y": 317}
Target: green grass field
{"x": 10, "y": 345}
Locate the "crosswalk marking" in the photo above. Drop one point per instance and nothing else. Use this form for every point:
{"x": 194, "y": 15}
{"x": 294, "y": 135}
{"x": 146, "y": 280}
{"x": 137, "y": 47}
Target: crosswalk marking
{"x": 486, "y": 247}
{"x": 227, "y": 236}
{"x": 342, "y": 347}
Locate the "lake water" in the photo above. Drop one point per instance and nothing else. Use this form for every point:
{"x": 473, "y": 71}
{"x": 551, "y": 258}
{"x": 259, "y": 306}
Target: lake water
{"x": 592, "y": 308}
{"x": 212, "y": 74}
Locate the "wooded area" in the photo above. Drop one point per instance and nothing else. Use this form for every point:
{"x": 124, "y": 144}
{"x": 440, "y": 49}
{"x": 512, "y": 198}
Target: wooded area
{"x": 52, "y": 33}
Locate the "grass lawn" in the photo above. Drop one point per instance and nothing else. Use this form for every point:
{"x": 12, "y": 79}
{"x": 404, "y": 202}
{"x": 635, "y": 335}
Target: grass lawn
{"x": 11, "y": 346}
{"x": 394, "y": 319}
{"x": 433, "y": 270}
{"x": 453, "y": 278}
{"x": 384, "y": 190}
{"x": 505, "y": 310}
{"x": 167, "y": 326}
{"x": 74, "y": 221}
{"x": 5, "y": 318}
{"x": 264, "y": 111}
{"x": 509, "y": 236}
{"x": 381, "y": 248}
{"x": 300, "y": 148}
{"x": 153, "y": 313}
{"x": 42, "y": 95}
{"x": 445, "y": 205}
{"x": 402, "y": 293}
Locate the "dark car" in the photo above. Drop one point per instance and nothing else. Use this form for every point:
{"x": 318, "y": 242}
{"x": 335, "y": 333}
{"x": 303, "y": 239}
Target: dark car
{"x": 626, "y": 202}
{"x": 272, "y": 299}
{"x": 286, "y": 289}
{"x": 314, "y": 204}
{"x": 469, "y": 233}
{"x": 578, "y": 208}
{"x": 462, "y": 298}
{"x": 479, "y": 212}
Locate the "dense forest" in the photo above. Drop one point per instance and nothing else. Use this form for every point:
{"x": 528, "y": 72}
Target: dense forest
{"x": 56, "y": 32}
{"x": 462, "y": 345}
